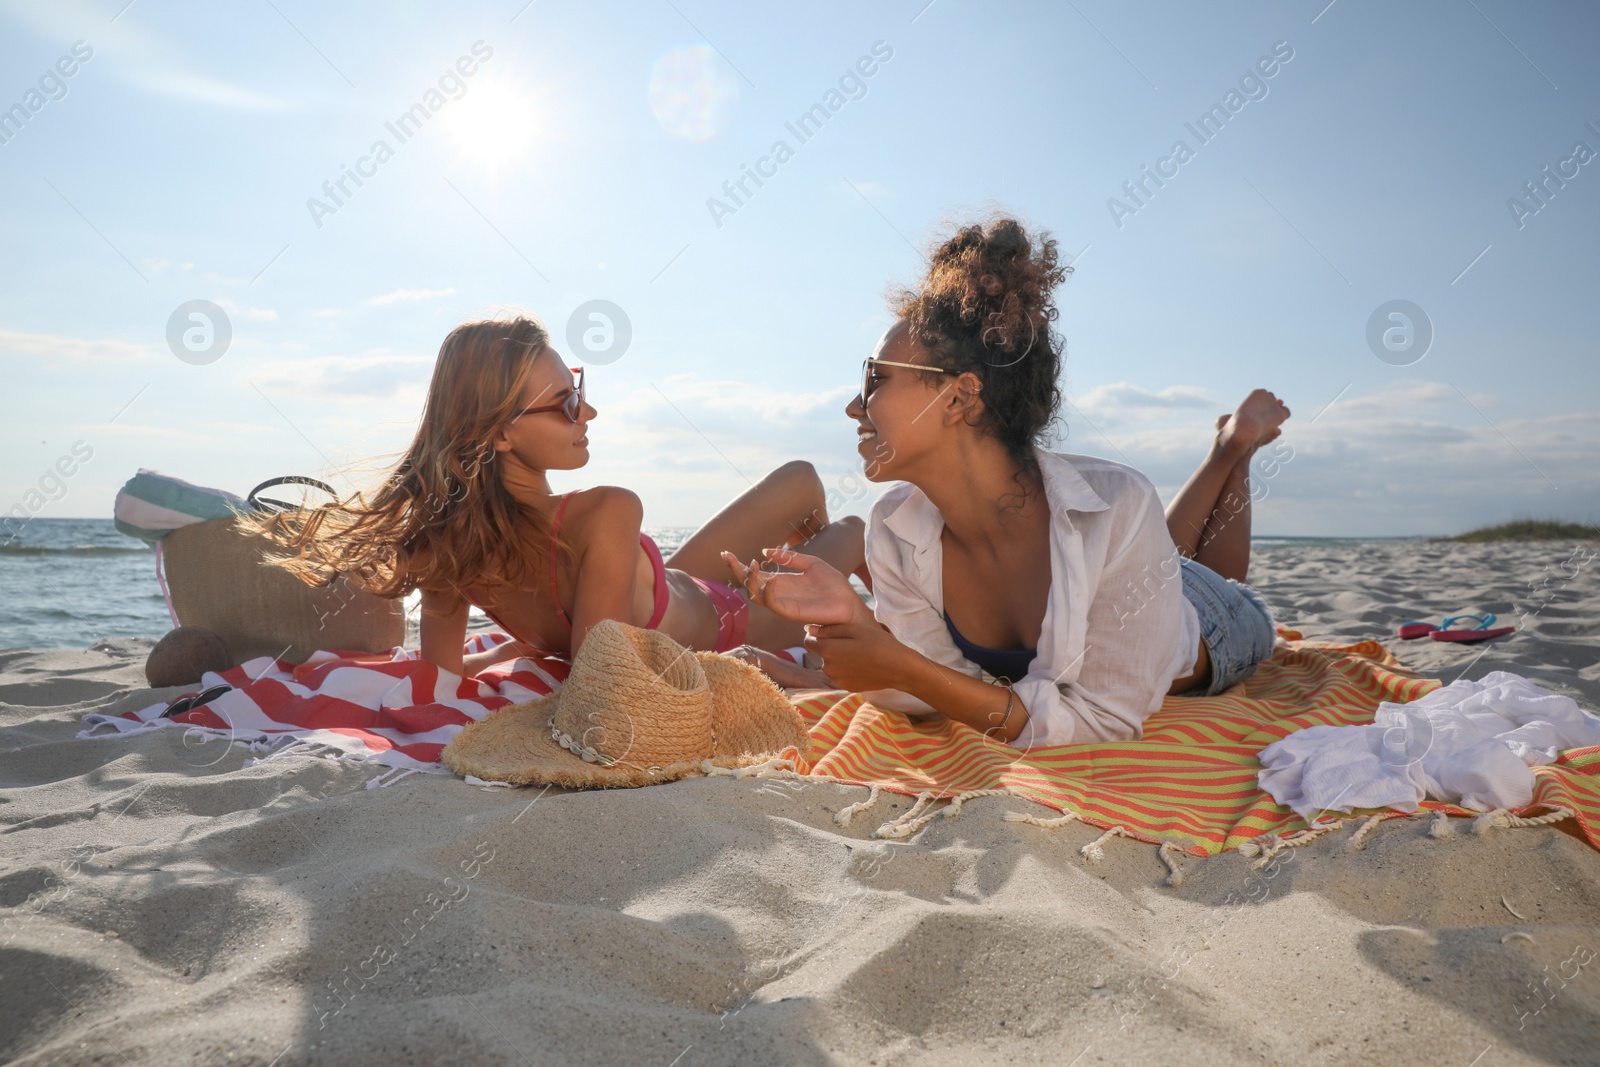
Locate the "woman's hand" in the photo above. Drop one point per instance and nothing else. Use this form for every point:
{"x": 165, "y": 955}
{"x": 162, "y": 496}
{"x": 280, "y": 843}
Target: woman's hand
{"x": 482, "y": 661}
{"x": 808, "y": 590}
{"x": 862, "y": 657}
{"x": 859, "y": 656}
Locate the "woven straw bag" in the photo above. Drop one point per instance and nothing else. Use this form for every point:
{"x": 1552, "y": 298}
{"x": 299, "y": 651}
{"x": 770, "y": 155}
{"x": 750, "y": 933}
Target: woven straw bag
{"x": 218, "y": 578}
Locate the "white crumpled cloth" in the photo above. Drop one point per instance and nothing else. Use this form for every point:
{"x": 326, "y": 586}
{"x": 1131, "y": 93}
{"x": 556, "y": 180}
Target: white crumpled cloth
{"x": 1467, "y": 743}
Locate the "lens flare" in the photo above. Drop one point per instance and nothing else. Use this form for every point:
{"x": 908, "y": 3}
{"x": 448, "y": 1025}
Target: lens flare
{"x": 692, "y": 93}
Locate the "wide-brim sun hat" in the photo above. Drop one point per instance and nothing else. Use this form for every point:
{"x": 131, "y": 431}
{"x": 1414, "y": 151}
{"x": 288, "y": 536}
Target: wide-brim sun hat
{"x": 637, "y": 709}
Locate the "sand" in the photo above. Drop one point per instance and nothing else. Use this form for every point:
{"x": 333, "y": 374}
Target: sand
{"x": 162, "y": 904}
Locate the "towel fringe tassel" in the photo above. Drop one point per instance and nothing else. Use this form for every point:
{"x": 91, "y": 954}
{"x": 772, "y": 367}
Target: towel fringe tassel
{"x": 1168, "y": 851}
{"x": 776, "y": 767}
{"x": 902, "y": 825}
{"x": 1040, "y": 821}
{"x": 1502, "y": 819}
{"x": 1269, "y": 846}
{"x": 843, "y": 816}
{"x": 1093, "y": 852}
{"x": 277, "y": 749}
{"x": 1440, "y": 829}
{"x": 895, "y": 829}
{"x": 1358, "y": 840}
{"x": 391, "y": 776}
{"x": 923, "y": 812}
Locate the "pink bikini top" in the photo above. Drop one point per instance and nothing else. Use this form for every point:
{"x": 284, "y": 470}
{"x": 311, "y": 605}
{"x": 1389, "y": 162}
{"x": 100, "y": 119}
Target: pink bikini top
{"x": 645, "y": 542}
{"x": 663, "y": 597}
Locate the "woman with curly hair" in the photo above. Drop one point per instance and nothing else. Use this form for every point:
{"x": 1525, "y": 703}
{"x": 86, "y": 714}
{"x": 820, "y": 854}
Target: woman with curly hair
{"x": 1041, "y": 598}
{"x": 468, "y": 516}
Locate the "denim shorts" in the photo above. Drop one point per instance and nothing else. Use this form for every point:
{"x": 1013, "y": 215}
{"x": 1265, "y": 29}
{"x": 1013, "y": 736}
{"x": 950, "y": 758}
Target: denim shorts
{"x": 1235, "y": 624}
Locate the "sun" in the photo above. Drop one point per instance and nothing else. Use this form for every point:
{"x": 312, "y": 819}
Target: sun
{"x": 495, "y": 124}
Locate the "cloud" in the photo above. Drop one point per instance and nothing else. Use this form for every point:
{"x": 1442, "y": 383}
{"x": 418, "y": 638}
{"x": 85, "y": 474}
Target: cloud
{"x": 407, "y": 294}
{"x": 1411, "y": 458}
{"x": 1407, "y": 457}
{"x": 72, "y": 349}
{"x": 132, "y": 54}
{"x": 739, "y": 400}
{"x": 1125, "y": 395}
{"x": 688, "y": 444}
{"x": 731, "y": 422}
{"x": 255, "y": 313}
{"x": 341, "y": 379}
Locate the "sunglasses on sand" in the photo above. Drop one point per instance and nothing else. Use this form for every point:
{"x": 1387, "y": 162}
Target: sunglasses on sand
{"x": 868, "y": 384}
{"x": 571, "y": 405}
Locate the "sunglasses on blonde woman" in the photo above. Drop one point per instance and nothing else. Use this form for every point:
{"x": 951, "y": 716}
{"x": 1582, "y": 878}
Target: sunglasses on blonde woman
{"x": 869, "y": 383}
{"x": 571, "y": 405}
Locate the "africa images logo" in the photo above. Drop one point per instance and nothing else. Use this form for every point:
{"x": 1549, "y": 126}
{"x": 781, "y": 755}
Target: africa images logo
{"x": 52, "y": 86}
{"x": 1252, "y": 87}
{"x": 852, "y": 85}
{"x": 409, "y": 123}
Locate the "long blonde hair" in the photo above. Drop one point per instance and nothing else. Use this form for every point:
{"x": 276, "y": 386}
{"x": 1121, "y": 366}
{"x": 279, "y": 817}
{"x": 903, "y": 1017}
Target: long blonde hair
{"x": 442, "y": 519}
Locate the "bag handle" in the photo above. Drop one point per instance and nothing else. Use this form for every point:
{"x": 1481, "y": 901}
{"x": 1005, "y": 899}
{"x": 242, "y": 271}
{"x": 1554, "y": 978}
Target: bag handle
{"x": 266, "y": 503}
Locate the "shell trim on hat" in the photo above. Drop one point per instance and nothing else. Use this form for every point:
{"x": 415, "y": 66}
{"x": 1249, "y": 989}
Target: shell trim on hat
{"x": 586, "y": 753}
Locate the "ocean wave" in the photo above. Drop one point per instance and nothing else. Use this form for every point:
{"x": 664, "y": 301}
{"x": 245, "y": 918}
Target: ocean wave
{"x": 70, "y": 550}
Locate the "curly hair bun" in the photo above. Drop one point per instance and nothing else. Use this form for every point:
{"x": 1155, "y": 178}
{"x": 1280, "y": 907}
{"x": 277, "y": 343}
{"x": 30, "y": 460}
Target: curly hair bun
{"x": 987, "y": 306}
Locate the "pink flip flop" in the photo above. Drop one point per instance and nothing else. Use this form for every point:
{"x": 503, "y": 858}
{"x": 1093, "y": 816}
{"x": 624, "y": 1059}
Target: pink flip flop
{"x": 1413, "y": 629}
{"x": 1471, "y": 636}
{"x": 1410, "y": 631}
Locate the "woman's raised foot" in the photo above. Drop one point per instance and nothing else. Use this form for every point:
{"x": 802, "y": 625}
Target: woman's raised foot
{"x": 1257, "y": 421}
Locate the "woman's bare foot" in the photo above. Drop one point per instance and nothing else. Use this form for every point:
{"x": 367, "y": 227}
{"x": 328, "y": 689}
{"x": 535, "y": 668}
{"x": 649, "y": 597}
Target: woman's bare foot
{"x": 1257, "y": 421}
{"x": 785, "y": 674}
{"x": 1222, "y": 420}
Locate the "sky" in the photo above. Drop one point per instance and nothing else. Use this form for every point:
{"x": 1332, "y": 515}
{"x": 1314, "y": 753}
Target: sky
{"x": 549, "y": 155}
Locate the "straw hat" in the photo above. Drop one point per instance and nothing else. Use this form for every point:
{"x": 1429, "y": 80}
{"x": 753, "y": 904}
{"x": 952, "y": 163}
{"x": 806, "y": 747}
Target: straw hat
{"x": 637, "y": 709}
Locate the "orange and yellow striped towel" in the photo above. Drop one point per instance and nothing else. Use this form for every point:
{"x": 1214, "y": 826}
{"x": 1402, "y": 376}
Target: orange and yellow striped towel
{"x": 1191, "y": 780}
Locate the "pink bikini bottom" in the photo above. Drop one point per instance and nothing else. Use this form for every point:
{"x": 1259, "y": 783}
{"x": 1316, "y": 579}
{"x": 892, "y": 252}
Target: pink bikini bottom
{"x": 733, "y": 610}
{"x": 733, "y": 613}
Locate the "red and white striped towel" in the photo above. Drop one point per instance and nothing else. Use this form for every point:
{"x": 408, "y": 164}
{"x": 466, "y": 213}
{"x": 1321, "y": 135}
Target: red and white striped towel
{"x": 394, "y": 710}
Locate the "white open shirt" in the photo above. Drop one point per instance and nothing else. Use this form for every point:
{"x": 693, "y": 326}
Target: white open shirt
{"x": 1117, "y": 628}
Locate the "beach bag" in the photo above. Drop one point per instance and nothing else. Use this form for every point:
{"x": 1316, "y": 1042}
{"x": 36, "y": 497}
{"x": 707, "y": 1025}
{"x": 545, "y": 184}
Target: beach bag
{"x": 215, "y": 576}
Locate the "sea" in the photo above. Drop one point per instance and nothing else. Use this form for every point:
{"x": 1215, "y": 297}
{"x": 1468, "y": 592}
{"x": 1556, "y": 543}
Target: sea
{"x": 69, "y": 583}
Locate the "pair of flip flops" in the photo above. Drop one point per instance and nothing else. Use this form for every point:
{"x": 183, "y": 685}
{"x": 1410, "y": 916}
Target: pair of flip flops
{"x": 1447, "y": 631}
{"x": 195, "y": 700}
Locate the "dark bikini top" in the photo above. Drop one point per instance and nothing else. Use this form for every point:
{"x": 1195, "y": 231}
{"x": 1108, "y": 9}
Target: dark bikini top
{"x": 1010, "y": 664}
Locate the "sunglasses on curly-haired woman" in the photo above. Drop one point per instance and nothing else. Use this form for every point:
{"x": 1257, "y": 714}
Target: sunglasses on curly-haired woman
{"x": 869, "y": 383}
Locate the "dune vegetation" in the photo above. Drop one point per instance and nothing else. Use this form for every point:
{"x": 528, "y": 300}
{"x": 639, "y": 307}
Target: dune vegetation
{"x": 1531, "y": 530}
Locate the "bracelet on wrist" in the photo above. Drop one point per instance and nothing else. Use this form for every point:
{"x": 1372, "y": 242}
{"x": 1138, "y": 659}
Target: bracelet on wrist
{"x": 1011, "y": 701}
